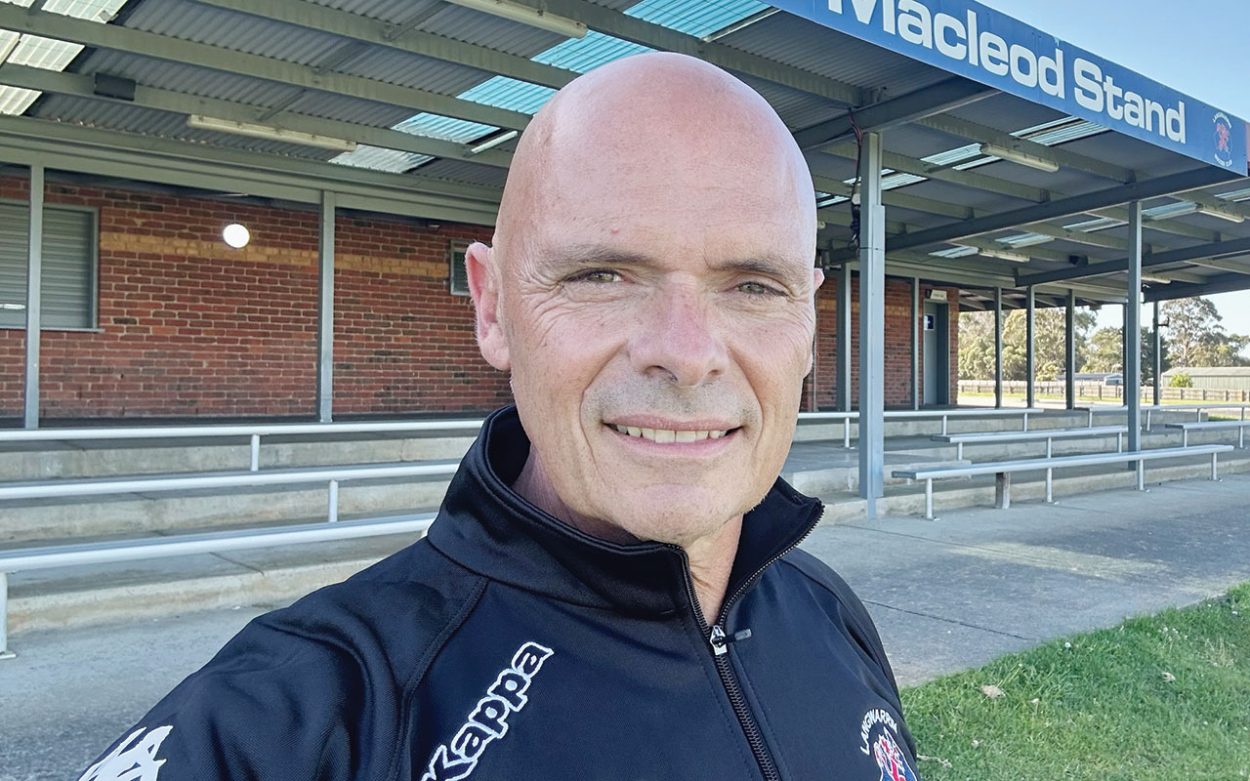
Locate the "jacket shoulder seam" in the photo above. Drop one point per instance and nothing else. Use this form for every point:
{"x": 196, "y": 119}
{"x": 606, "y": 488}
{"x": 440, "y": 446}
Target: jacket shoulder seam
{"x": 423, "y": 664}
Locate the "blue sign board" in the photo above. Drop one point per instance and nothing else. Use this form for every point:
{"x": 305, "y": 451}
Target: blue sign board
{"x": 968, "y": 39}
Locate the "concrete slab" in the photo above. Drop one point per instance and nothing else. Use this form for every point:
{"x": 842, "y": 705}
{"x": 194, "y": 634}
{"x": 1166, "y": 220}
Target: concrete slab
{"x": 946, "y": 595}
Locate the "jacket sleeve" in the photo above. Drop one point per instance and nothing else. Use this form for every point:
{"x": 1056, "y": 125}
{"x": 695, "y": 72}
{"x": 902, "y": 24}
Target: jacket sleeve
{"x": 859, "y": 624}
{"x": 271, "y": 705}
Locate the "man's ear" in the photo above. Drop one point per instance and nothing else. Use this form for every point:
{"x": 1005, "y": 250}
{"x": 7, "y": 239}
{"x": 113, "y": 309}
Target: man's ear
{"x": 484, "y": 283}
{"x": 818, "y": 279}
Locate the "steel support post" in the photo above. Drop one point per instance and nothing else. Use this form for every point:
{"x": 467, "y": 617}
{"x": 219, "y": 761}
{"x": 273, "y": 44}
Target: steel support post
{"x": 998, "y": 348}
{"x": 1030, "y": 356}
{"x": 917, "y": 337}
{"x": 871, "y": 325}
{"x": 5, "y": 653}
{"x": 844, "y": 340}
{"x": 34, "y": 299}
{"x": 1158, "y": 362}
{"x": 1132, "y": 329}
{"x": 325, "y": 311}
{"x": 1069, "y": 354}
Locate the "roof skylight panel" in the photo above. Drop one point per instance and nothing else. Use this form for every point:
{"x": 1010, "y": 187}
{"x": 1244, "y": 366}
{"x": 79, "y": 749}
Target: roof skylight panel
{"x": 695, "y": 17}
{"x": 588, "y": 53}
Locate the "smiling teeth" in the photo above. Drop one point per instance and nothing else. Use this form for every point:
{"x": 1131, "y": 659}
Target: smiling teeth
{"x": 666, "y": 436}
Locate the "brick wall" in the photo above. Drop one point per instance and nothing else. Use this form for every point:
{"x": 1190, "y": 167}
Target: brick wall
{"x": 898, "y": 340}
{"x": 190, "y": 327}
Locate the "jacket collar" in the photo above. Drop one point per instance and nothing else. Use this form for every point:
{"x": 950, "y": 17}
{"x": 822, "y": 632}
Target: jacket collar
{"x": 487, "y": 527}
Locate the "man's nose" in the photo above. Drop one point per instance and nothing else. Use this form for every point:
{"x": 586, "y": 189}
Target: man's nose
{"x": 677, "y": 335}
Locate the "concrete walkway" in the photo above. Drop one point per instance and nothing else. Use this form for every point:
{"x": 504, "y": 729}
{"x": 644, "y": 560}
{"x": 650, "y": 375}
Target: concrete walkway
{"x": 946, "y": 595}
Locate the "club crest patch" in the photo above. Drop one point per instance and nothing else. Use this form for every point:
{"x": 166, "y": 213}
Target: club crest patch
{"x": 133, "y": 759}
{"x": 879, "y": 740}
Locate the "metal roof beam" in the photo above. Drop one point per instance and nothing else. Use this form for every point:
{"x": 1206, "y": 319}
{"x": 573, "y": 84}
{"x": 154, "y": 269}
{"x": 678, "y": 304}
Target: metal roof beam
{"x": 972, "y": 131}
{"x": 1235, "y": 266}
{"x": 82, "y": 85}
{"x": 899, "y": 199}
{"x": 619, "y": 25}
{"x": 106, "y": 153}
{"x": 1200, "y": 252}
{"x": 1141, "y": 190}
{"x": 1224, "y": 283}
{"x": 163, "y": 47}
{"x": 312, "y": 16}
{"x": 947, "y": 95}
{"x": 911, "y": 165}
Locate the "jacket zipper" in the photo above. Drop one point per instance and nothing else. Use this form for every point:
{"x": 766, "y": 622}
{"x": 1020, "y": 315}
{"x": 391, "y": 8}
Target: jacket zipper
{"x": 719, "y": 643}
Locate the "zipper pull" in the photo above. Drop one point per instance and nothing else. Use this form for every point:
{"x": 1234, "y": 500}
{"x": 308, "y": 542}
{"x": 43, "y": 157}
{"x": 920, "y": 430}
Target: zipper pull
{"x": 718, "y": 640}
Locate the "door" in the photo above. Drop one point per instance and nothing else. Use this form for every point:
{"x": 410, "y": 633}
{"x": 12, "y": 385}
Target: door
{"x": 936, "y": 354}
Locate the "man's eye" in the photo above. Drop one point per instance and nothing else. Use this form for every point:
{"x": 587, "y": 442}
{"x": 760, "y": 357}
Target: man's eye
{"x": 758, "y": 289}
{"x": 598, "y": 275}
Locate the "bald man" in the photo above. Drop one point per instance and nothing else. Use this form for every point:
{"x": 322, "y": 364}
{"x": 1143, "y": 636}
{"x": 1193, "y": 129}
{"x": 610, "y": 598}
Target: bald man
{"x": 612, "y": 588}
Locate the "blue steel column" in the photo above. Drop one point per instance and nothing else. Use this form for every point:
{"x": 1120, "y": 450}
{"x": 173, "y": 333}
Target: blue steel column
{"x": 1158, "y": 356}
{"x": 998, "y": 347}
{"x": 871, "y": 325}
{"x": 325, "y": 311}
{"x": 917, "y": 334}
{"x": 1030, "y": 355}
{"x": 1069, "y": 351}
{"x": 34, "y": 299}
{"x": 1132, "y": 329}
{"x": 844, "y": 339}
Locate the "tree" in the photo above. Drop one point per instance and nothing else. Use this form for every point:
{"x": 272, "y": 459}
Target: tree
{"x": 976, "y": 343}
{"x": 1148, "y": 355}
{"x": 1106, "y": 351}
{"x": 1196, "y": 337}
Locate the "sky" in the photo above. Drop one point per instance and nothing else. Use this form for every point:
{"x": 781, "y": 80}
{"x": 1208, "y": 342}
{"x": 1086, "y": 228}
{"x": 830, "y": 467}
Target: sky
{"x": 1198, "y": 47}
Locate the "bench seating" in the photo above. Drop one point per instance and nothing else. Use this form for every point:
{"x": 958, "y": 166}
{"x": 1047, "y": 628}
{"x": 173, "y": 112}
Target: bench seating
{"x": 1048, "y": 435}
{"x": 1002, "y": 470}
{"x": 156, "y": 546}
{"x": 1213, "y": 425}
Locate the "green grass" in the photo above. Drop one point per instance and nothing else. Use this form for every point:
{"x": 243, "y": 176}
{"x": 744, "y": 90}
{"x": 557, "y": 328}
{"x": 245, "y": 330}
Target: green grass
{"x": 1160, "y": 698}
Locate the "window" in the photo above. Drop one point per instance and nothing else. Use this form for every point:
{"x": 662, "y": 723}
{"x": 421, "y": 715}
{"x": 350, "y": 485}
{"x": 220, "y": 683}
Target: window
{"x": 69, "y": 252}
{"x": 458, "y": 274}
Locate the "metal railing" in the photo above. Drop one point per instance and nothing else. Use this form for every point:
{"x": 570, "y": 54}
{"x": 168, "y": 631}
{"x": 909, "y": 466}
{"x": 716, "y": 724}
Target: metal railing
{"x": 253, "y": 432}
{"x": 910, "y": 414}
{"x": 24, "y": 559}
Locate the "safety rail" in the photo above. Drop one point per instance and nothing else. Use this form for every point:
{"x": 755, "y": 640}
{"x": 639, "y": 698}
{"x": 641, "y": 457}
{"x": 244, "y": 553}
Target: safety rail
{"x": 1212, "y": 425}
{"x": 1002, "y": 470}
{"x": 332, "y": 476}
{"x": 253, "y": 432}
{"x": 1049, "y": 435}
{"x": 114, "y": 551}
{"x": 1150, "y": 409}
{"x": 923, "y": 414}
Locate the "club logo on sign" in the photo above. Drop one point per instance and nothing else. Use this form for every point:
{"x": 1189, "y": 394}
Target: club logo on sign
{"x": 1223, "y": 137}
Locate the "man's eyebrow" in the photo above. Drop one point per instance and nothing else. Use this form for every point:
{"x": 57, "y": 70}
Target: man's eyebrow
{"x": 594, "y": 254}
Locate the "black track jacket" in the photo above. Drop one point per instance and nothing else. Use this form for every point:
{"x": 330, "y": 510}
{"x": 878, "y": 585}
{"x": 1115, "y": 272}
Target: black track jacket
{"x": 508, "y": 646}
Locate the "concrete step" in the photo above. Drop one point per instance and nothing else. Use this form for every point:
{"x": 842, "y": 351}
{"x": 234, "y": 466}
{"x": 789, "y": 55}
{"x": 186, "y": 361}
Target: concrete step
{"x": 49, "y": 520}
{"x": 950, "y": 495}
{"x": 146, "y": 590}
{"x": 93, "y": 458}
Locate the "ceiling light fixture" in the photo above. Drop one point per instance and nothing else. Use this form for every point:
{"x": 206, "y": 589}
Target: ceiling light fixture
{"x": 1218, "y": 213}
{"x": 1014, "y": 257}
{"x": 1020, "y": 158}
{"x": 269, "y": 133}
{"x": 534, "y": 17}
{"x": 493, "y": 142}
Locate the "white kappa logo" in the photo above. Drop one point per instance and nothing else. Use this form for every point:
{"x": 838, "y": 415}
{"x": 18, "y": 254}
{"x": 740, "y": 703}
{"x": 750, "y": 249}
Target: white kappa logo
{"x": 488, "y": 721}
{"x": 132, "y": 759}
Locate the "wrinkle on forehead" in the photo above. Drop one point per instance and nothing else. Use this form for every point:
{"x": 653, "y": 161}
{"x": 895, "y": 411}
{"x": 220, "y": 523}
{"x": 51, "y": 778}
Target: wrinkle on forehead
{"x": 650, "y": 132}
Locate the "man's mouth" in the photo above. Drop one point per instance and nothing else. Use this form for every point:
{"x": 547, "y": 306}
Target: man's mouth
{"x": 666, "y": 436}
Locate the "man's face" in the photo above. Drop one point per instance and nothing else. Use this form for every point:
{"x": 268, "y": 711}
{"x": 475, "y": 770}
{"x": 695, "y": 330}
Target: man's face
{"x": 658, "y": 322}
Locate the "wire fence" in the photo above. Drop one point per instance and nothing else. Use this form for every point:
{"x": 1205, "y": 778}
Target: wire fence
{"x": 1102, "y": 391}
